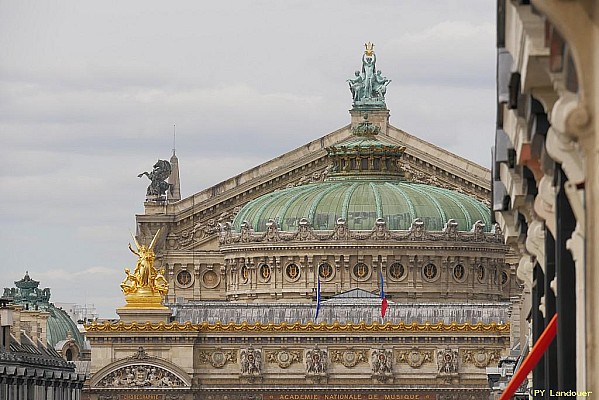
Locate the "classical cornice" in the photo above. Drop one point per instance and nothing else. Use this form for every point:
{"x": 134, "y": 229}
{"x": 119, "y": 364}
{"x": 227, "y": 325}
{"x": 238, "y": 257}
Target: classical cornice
{"x": 283, "y": 327}
{"x": 230, "y": 240}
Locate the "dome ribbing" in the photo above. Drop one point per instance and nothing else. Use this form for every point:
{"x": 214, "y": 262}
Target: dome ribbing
{"x": 360, "y": 202}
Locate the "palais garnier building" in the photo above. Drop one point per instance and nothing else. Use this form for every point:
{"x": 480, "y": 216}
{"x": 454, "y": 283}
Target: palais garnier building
{"x": 363, "y": 263}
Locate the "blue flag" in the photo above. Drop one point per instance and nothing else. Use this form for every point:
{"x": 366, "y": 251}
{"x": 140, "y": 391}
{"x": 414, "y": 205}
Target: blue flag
{"x": 317, "y": 300}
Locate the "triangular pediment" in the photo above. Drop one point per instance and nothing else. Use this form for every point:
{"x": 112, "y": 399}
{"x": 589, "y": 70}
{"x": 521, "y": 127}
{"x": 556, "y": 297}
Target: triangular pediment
{"x": 196, "y": 218}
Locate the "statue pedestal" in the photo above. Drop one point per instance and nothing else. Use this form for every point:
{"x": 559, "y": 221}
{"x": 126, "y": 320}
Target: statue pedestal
{"x": 143, "y": 315}
{"x": 376, "y": 115}
{"x": 144, "y": 306}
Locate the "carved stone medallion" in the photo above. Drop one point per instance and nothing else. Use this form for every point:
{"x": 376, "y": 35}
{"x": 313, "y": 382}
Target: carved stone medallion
{"x": 349, "y": 358}
{"x": 284, "y": 358}
{"x": 415, "y": 357}
{"x": 210, "y": 279}
{"x": 217, "y": 358}
{"x": 325, "y": 271}
{"x": 361, "y": 271}
{"x": 480, "y": 358}
{"x": 184, "y": 279}
{"x": 397, "y": 271}
{"x": 292, "y": 272}
{"x": 264, "y": 271}
{"x": 459, "y": 273}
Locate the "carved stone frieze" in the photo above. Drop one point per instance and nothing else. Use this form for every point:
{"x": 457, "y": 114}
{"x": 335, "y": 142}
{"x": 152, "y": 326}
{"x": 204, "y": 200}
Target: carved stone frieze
{"x": 381, "y": 363}
{"x": 217, "y": 358}
{"x": 380, "y": 231}
{"x": 140, "y": 354}
{"x": 415, "y": 357}
{"x": 349, "y": 358}
{"x": 204, "y": 229}
{"x": 316, "y": 176}
{"x": 284, "y": 358}
{"x": 415, "y": 174}
{"x": 481, "y": 358}
{"x": 141, "y": 376}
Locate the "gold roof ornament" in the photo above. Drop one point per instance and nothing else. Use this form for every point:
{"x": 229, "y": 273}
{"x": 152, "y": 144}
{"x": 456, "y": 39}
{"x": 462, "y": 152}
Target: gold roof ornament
{"x": 369, "y": 49}
{"x": 146, "y": 286}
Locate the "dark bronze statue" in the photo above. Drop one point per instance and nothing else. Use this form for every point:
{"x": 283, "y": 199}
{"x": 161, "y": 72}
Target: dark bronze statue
{"x": 160, "y": 173}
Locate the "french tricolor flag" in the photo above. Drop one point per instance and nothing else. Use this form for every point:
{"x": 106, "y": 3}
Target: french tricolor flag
{"x": 384, "y": 303}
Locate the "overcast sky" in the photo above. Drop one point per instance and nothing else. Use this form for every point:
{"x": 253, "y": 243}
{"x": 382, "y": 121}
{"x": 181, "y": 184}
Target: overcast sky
{"x": 90, "y": 90}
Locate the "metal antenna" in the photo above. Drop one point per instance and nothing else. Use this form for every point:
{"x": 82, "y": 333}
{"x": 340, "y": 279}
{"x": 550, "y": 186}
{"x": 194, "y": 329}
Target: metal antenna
{"x": 174, "y": 137}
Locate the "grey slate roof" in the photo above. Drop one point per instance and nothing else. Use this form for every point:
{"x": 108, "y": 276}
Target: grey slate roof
{"x": 342, "y": 310}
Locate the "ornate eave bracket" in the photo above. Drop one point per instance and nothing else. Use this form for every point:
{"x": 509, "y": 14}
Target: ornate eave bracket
{"x": 570, "y": 120}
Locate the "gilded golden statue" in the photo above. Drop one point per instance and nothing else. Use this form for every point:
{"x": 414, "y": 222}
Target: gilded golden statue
{"x": 146, "y": 286}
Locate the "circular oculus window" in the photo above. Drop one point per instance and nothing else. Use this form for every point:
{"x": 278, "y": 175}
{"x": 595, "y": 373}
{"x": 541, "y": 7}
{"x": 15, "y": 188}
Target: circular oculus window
{"x": 430, "y": 272}
{"x": 292, "y": 272}
{"x": 459, "y": 273}
{"x": 361, "y": 271}
{"x": 184, "y": 279}
{"x": 326, "y": 271}
{"x": 264, "y": 271}
{"x": 397, "y": 271}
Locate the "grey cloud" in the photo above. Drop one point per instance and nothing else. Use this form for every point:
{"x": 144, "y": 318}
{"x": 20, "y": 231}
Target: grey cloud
{"x": 88, "y": 97}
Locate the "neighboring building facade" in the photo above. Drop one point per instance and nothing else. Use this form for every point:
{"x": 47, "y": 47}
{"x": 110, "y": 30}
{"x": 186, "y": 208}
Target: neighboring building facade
{"x": 30, "y": 367}
{"x": 60, "y": 331}
{"x": 546, "y": 186}
{"x": 324, "y": 227}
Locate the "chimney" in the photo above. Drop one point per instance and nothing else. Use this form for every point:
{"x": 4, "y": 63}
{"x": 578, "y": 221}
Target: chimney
{"x": 5, "y": 323}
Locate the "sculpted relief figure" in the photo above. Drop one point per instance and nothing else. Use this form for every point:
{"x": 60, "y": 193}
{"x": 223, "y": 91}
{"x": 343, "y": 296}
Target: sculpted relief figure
{"x": 447, "y": 361}
{"x": 381, "y": 362}
{"x": 251, "y": 361}
{"x": 146, "y": 376}
{"x": 316, "y": 361}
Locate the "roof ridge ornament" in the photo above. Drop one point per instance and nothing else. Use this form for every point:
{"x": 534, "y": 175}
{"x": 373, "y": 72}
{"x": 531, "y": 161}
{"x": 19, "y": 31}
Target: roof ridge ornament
{"x": 368, "y": 86}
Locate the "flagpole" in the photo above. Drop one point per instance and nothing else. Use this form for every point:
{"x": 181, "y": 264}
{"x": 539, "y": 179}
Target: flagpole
{"x": 317, "y": 299}
{"x": 384, "y": 303}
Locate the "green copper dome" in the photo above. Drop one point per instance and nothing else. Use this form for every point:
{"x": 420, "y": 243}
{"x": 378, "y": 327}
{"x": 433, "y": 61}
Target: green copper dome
{"x": 364, "y": 185}
{"x": 59, "y": 325}
{"x": 360, "y": 201}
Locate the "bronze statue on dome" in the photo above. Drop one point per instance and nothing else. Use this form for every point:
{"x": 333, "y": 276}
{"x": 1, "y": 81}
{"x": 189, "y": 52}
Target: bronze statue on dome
{"x": 368, "y": 86}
